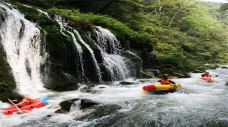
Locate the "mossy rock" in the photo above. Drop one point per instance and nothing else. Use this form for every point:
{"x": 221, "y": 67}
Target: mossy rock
{"x": 132, "y": 56}
{"x": 7, "y": 82}
{"x": 62, "y": 74}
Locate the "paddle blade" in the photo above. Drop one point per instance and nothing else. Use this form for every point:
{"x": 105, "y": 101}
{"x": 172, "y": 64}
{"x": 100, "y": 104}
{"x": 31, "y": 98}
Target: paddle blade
{"x": 44, "y": 100}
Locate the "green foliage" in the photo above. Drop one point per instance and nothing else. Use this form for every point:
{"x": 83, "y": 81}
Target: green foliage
{"x": 119, "y": 28}
{"x": 90, "y": 18}
{"x": 200, "y": 20}
{"x": 33, "y": 15}
{"x": 196, "y": 36}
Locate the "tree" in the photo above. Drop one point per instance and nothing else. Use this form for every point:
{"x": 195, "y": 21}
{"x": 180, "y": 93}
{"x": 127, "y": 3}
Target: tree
{"x": 183, "y": 6}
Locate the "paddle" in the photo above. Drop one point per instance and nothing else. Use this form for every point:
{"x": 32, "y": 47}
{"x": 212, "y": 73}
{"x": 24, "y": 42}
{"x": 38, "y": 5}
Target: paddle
{"x": 20, "y": 111}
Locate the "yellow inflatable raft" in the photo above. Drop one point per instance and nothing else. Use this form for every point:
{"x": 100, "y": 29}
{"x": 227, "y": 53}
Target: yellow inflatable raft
{"x": 158, "y": 88}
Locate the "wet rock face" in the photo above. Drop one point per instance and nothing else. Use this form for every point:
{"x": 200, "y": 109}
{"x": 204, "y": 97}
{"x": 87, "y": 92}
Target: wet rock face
{"x": 7, "y": 82}
{"x": 61, "y": 71}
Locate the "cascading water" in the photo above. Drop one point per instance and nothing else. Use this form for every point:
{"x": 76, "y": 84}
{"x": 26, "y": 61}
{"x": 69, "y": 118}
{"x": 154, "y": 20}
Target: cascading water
{"x": 22, "y": 43}
{"x": 78, "y": 47}
{"x": 111, "y": 50}
{"x": 76, "y": 37}
{"x": 108, "y": 45}
{"x": 91, "y": 52}
{"x": 107, "y": 41}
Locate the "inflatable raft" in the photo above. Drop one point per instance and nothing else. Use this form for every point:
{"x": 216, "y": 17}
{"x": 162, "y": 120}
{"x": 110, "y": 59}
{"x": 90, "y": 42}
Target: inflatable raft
{"x": 160, "y": 89}
{"x": 207, "y": 78}
{"x": 39, "y": 102}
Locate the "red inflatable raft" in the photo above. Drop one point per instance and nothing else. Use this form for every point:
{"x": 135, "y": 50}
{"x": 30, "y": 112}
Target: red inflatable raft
{"x": 38, "y": 103}
{"x": 207, "y": 78}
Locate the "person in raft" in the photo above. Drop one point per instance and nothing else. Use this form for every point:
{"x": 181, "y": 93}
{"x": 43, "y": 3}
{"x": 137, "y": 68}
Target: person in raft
{"x": 24, "y": 100}
{"x": 165, "y": 80}
{"x": 206, "y": 74}
{"x": 27, "y": 100}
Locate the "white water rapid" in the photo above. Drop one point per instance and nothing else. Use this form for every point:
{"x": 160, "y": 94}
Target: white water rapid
{"x": 21, "y": 41}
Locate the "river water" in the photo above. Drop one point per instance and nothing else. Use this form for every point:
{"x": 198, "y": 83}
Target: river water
{"x": 203, "y": 105}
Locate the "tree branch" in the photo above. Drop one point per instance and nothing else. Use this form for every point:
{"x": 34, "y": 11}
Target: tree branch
{"x": 180, "y": 10}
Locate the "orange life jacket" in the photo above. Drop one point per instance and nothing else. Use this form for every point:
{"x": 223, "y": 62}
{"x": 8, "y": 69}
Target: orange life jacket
{"x": 164, "y": 82}
{"x": 28, "y": 100}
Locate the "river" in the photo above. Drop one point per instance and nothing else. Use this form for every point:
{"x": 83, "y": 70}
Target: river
{"x": 204, "y": 105}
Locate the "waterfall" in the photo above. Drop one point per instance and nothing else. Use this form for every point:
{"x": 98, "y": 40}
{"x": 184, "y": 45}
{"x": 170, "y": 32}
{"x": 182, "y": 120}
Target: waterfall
{"x": 25, "y": 47}
{"x": 21, "y": 40}
{"x": 78, "y": 47}
{"x": 107, "y": 41}
{"x": 117, "y": 66}
{"x": 111, "y": 50}
{"x": 108, "y": 45}
{"x": 76, "y": 39}
{"x": 91, "y": 52}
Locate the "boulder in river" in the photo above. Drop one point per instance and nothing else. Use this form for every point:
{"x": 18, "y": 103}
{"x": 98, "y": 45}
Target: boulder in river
{"x": 66, "y": 105}
{"x": 83, "y": 104}
{"x": 127, "y": 82}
